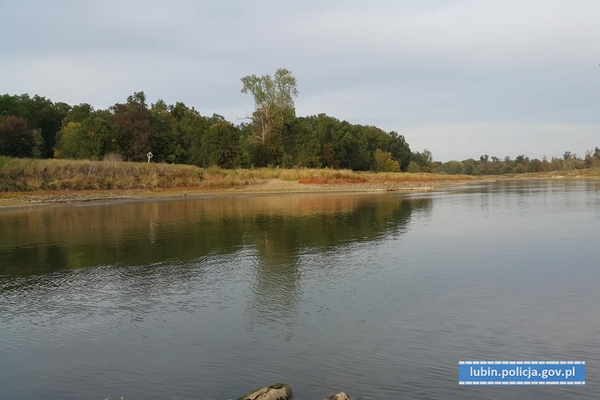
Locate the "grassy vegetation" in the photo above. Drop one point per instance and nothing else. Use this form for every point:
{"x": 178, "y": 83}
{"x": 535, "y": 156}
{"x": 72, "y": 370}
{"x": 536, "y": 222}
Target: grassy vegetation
{"x": 23, "y": 175}
{"x": 593, "y": 173}
{"x": 30, "y": 175}
{"x": 33, "y": 174}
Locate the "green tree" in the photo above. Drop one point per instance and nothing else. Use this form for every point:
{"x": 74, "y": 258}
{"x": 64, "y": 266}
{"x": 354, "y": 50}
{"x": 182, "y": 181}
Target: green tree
{"x": 328, "y": 157}
{"x": 40, "y": 113}
{"x": 267, "y": 153}
{"x": 413, "y": 167}
{"x": 423, "y": 160}
{"x": 17, "y": 139}
{"x": 135, "y": 129}
{"x": 469, "y": 166}
{"x": 306, "y": 146}
{"x": 92, "y": 138}
{"x": 592, "y": 158}
{"x": 165, "y": 140}
{"x": 190, "y": 127}
{"x": 273, "y": 99}
{"x": 72, "y": 142}
{"x": 399, "y": 148}
{"x": 451, "y": 167}
{"x": 221, "y": 145}
{"x": 384, "y": 162}
{"x": 535, "y": 165}
{"x": 346, "y": 145}
{"x": 79, "y": 113}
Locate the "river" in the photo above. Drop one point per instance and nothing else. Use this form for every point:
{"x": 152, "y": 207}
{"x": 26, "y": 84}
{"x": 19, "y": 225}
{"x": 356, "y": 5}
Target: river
{"x": 378, "y": 295}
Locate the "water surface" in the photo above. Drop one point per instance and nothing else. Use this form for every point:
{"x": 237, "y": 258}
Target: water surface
{"x": 376, "y": 295}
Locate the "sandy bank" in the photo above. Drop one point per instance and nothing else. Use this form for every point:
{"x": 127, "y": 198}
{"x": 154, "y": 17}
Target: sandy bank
{"x": 12, "y": 200}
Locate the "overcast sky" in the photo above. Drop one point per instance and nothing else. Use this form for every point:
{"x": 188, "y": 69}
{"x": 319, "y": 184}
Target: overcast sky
{"x": 460, "y": 78}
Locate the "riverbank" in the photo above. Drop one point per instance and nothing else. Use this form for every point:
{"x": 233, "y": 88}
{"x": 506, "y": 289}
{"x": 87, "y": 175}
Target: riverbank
{"x": 32, "y": 183}
{"x": 31, "y": 175}
{"x": 9, "y": 200}
{"x": 35, "y": 182}
{"x": 587, "y": 173}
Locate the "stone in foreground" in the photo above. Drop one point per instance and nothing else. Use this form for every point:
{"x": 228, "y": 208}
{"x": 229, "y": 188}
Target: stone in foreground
{"x": 280, "y": 391}
{"x": 339, "y": 396}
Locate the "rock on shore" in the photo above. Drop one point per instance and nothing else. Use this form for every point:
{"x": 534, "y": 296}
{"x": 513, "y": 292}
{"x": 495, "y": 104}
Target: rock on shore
{"x": 281, "y": 391}
{"x": 339, "y": 396}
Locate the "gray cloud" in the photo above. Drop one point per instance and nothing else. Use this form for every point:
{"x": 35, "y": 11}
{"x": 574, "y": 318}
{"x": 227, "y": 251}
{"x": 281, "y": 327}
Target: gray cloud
{"x": 461, "y": 78}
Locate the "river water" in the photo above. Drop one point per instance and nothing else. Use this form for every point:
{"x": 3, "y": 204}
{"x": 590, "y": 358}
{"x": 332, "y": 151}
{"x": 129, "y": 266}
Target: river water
{"x": 376, "y": 295}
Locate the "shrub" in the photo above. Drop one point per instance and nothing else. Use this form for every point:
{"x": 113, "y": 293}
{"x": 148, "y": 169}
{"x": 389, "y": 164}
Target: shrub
{"x": 413, "y": 167}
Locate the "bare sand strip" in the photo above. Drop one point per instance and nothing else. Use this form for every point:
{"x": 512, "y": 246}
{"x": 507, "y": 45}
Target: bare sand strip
{"x": 36, "y": 199}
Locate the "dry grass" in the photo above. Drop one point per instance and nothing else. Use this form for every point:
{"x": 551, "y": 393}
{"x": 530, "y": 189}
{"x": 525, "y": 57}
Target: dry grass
{"x": 414, "y": 177}
{"x": 20, "y": 175}
{"x": 25, "y": 175}
{"x": 589, "y": 173}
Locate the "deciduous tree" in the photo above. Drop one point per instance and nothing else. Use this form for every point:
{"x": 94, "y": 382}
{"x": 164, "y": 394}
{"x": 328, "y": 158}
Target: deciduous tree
{"x": 221, "y": 145}
{"x": 41, "y": 115}
{"x": 17, "y": 139}
{"x": 273, "y": 98}
{"x": 384, "y": 162}
{"x": 135, "y": 128}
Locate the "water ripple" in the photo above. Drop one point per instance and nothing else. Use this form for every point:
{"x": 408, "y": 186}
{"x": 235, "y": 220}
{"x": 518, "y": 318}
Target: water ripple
{"x": 379, "y": 298}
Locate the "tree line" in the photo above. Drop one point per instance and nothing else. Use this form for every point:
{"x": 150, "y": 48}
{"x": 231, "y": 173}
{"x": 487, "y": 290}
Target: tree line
{"x": 487, "y": 165}
{"x": 272, "y": 136}
{"x": 36, "y": 127}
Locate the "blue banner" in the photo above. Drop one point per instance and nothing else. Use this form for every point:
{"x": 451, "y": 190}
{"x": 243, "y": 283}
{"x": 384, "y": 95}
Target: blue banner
{"x": 521, "y": 373}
